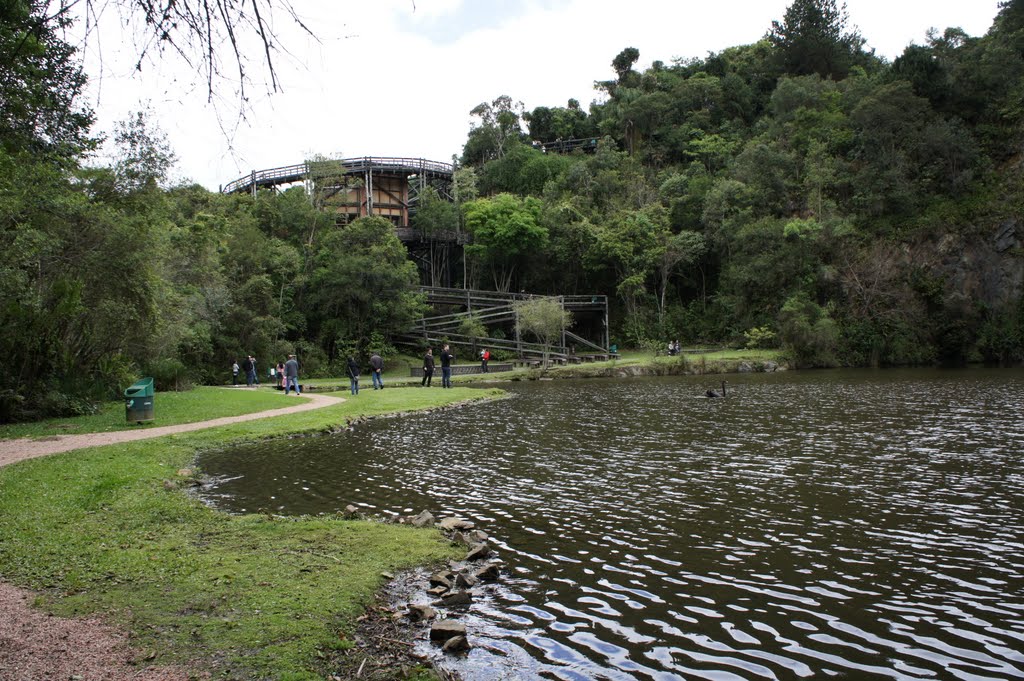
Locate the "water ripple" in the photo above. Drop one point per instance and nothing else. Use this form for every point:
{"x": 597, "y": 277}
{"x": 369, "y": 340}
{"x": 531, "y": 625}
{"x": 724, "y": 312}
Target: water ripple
{"x": 866, "y": 524}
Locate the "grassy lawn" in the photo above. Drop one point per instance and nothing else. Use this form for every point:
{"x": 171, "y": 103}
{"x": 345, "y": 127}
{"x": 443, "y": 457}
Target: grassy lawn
{"x": 110, "y": 530}
{"x": 170, "y": 409}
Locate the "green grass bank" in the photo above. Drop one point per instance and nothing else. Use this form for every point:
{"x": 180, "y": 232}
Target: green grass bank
{"x": 171, "y": 408}
{"x": 629, "y": 363}
{"x": 111, "y": 530}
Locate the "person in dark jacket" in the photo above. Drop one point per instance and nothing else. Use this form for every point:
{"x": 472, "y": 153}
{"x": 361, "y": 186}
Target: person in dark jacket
{"x": 428, "y": 367}
{"x": 249, "y": 368}
{"x": 291, "y": 375}
{"x": 377, "y": 369}
{"x": 353, "y": 375}
{"x": 446, "y": 366}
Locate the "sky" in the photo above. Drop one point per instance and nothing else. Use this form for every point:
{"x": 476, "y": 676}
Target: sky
{"x": 399, "y": 77}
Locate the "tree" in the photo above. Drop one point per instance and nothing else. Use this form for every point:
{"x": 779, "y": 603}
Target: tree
{"x": 362, "y": 283}
{"x": 628, "y": 242}
{"x": 498, "y": 126}
{"x": 438, "y": 222}
{"x": 144, "y": 156}
{"x": 623, "y": 62}
{"x": 675, "y": 251}
{"x": 506, "y": 235}
{"x": 813, "y": 38}
{"x": 545, "y": 318}
{"x": 41, "y": 80}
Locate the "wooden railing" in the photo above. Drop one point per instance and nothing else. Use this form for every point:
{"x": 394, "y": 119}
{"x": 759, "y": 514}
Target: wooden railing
{"x": 359, "y": 164}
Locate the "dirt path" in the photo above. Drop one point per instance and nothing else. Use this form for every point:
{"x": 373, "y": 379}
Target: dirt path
{"x": 18, "y": 450}
{"x": 34, "y": 645}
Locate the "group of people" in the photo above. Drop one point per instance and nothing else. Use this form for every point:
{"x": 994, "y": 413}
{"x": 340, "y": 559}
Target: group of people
{"x": 248, "y": 367}
{"x": 376, "y": 372}
{"x": 447, "y": 358}
{"x": 285, "y": 374}
{"x": 673, "y": 348}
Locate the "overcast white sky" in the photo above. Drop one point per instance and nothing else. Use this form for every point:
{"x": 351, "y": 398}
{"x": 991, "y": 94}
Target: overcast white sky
{"x": 399, "y": 77}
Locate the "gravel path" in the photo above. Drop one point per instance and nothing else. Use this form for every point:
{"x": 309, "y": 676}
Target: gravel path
{"x": 36, "y": 646}
{"x": 18, "y": 450}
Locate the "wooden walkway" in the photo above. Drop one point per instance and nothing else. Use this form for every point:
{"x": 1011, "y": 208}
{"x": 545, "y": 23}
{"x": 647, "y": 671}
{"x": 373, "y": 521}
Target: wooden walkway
{"x": 495, "y": 309}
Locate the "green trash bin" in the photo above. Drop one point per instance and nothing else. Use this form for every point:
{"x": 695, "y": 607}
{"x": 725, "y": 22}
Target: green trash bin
{"x": 138, "y": 401}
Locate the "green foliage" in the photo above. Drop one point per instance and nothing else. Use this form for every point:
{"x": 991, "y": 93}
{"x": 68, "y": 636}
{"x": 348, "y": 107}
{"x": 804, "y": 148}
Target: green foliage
{"x": 812, "y": 38}
{"x": 169, "y": 374}
{"x": 472, "y": 326}
{"x": 759, "y": 337}
{"x": 808, "y": 332}
{"x": 729, "y": 193}
{"x": 506, "y": 233}
{"x": 544, "y": 318}
{"x": 360, "y": 285}
{"x": 41, "y": 82}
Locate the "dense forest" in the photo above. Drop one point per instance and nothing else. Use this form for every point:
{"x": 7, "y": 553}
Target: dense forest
{"x": 798, "y": 193}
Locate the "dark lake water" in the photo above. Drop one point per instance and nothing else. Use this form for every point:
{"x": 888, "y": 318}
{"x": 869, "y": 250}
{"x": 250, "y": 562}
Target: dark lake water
{"x": 852, "y": 524}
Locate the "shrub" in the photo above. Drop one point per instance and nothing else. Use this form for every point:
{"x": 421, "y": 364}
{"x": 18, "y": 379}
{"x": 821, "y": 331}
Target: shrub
{"x": 169, "y": 374}
{"x": 759, "y": 337}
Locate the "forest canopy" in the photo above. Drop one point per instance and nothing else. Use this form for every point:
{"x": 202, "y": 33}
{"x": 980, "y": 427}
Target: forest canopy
{"x": 798, "y": 192}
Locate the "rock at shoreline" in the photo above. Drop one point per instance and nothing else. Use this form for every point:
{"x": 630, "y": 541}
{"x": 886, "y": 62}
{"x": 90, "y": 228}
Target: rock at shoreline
{"x": 452, "y": 523}
{"x": 476, "y": 537}
{"x": 351, "y": 512}
{"x": 488, "y": 573}
{"x": 443, "y": 578}
{"x": 456, "y": 644}
{"x": 463, "y": 581}
{"x": 478, "y": 552}
{"x": 456, "y": 598}
{"x": 419, "y": 611}
{"x": 443, "y": 630}
{"x": 424, "y": 519}
{"x": 437, "y": 590}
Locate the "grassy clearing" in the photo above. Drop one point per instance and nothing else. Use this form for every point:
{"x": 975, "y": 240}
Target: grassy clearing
{"x": 109, "y": 530}
{"x": 170, "y": 409}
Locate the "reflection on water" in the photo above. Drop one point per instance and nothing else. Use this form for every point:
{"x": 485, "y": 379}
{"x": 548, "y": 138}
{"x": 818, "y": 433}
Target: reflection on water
{"x": 856, "y": 524}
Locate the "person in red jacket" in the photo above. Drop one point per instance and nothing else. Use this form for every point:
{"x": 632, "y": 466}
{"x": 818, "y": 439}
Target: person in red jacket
{"x": 485, "y": 356}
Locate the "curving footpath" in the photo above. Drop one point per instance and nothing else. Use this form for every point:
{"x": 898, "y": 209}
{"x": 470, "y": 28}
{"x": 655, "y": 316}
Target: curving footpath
{"x": 34, "y": 645}
{"x": 19, "y": 450}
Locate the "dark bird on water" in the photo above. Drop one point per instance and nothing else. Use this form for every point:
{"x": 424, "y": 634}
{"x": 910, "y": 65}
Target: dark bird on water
{"x": 712, "y": 393}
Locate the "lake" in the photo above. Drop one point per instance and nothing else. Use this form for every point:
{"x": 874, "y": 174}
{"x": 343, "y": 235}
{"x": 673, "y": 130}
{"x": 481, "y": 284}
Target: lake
{"x": 859, "y": 524}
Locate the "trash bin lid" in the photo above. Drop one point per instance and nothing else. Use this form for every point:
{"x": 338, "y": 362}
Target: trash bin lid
{"x": 140, "y": 388}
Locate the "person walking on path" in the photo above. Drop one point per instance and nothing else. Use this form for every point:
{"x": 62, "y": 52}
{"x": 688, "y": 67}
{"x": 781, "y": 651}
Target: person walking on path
{"x": 377, "y": 369}
{"x": 282, "y": 382}
{"x": 485, "y": 356}
{"x": 428, "y": 367}
{"x": 255, "y": 374}
{"x": 353, "y": 375}
{"x": 291, "y": 375}
{"x": 446, "y": 366}
{"x": 234, "y": 372}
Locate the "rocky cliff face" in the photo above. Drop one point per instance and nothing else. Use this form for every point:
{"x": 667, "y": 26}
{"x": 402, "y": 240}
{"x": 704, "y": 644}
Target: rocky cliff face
{"x": 987, "y": 270}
